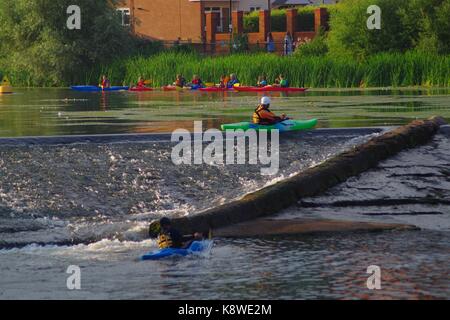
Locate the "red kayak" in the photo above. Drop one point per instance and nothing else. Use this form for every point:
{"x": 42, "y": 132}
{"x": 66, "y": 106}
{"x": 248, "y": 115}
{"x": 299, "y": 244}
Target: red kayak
{"x": 215, "y": 89}
{"x": 175, "y": 88}
{"x": 140, "y": 89}
{"x": 269, "y": 88}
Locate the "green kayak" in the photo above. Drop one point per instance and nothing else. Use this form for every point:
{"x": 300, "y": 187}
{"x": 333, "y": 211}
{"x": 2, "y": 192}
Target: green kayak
{"x": 283, "y": 126}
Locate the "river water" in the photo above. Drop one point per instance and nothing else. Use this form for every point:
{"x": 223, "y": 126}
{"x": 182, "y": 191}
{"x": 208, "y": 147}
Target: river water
{"x": 100, "y": 195}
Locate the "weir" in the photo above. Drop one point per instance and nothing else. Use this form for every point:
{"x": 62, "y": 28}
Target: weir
{"x": 311, "y": 182}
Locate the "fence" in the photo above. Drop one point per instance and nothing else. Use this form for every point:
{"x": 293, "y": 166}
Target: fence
{"x": 302, "y": 28}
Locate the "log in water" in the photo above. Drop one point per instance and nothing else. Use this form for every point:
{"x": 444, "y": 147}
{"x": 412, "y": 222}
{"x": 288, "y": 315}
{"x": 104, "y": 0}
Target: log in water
{"x": 313, "y": 181}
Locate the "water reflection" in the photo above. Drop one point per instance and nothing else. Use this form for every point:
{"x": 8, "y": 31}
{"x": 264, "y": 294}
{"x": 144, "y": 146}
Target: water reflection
{"x": 62, "y": 111}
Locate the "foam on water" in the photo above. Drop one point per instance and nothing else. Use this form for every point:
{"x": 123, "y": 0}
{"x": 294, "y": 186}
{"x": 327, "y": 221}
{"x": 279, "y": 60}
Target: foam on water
{"x": 87, "y": 192}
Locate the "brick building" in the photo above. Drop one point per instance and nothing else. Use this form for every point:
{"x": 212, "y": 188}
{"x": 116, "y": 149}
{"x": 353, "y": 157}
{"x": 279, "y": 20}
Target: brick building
{"x": 205, "y": 21}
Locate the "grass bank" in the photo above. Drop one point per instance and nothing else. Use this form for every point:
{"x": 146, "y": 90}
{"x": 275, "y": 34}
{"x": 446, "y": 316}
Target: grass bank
{"x": 385, "y": 69}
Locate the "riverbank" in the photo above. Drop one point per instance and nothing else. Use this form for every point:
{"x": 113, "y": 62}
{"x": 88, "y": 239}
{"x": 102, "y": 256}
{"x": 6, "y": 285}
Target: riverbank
{"x": 378, "y": 70}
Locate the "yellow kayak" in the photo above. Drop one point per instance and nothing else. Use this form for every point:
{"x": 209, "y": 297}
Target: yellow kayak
{"x": 5, "y": 86}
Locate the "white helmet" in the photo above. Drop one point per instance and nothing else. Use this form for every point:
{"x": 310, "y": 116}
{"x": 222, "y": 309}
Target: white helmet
{"x": 265, "y": 100}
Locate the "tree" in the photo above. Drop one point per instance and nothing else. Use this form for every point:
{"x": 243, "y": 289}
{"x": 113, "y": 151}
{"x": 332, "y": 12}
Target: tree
{"x": 405, "y": 25}
{"x": 37, "y": 47}
{"x": 433, "y": 17}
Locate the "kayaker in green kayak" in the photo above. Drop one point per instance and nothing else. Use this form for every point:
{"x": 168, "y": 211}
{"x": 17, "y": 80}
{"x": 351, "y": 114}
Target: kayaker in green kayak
{"x": 264, "y": 116}
{"x": 281, "y": 81}
{"x": 169, "y": 237}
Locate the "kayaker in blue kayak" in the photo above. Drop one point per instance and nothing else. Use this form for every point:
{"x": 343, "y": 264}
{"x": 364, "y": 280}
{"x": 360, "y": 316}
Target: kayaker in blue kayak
{"x": 105, "y": 82}
{"x": 169, "y": 237}
{"x": 264, "y": 116}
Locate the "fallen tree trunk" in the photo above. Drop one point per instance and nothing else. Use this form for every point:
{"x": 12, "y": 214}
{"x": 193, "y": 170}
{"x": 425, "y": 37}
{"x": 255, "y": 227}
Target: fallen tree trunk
{"x": 313, "y": 181}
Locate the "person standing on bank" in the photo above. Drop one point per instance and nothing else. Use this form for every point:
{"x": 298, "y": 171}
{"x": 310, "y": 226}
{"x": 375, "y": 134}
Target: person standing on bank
{"x": 288, "y": 44}
{"x": 270, "y": 43}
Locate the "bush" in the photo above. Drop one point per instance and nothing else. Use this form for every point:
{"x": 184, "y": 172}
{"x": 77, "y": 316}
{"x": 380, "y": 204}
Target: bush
{"x": 251, "y": 22}
{"x": 240, "y": 43}
{"x": 433, "y": 18}
{"x": 405, "y": 25}
{"x": 315, "y": 47}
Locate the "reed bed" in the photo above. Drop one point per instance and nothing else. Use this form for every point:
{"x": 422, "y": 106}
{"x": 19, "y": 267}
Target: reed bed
{"x": 381, "y": 70}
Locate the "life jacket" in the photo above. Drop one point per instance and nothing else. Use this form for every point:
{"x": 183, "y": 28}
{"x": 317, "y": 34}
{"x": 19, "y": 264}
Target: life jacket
{"x": 180, "y": 82}
{"x": 284, "y": 83}
{"x": 164, "y": 241}
{"x": 105, "y": 83}
{"x": 197, "y": 82}
{"x": 141, "y": 84}
{"x": 263, "y": 116}
{"x": 262, "y": 83}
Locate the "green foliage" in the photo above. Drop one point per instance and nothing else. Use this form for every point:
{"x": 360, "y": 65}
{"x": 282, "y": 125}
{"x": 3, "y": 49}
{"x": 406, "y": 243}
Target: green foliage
{"x": 251, "y": 22}
{"x": 36, "y": 47}
{"x": 433, "y": 18}
{"x": 239, "y": 43}
{"x": 405, "y": 25}
{"x": 316, "y": 47}
{"x": 385, "y": 69}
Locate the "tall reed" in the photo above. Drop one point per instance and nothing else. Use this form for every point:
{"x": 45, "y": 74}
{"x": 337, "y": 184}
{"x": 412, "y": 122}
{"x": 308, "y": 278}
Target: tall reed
{"x": 385, "y": 69}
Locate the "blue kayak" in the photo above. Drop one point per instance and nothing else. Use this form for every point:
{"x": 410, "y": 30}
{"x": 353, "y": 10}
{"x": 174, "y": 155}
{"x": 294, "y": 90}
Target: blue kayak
{"x": 98, "y": 89}
{"x": 195, "y": 247}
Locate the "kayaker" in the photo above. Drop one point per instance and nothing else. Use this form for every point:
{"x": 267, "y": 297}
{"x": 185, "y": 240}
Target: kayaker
{"x": 141, "y": 83}
{"x": 281, "y": 81}
{"x": 264, "y": 116}
{"x": 169, "y": 237}
{"x": 233, "y": 81}
{"x": 196, "y": 81}
{"x": 262, "y": 81}
{"x": 180, "y": 81}
{"x": 105, "y": 82}
{"x": 223, "y": 81}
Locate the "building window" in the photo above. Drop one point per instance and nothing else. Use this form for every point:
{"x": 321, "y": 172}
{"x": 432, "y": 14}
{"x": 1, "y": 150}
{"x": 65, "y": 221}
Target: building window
{"x": 124, "y": 16}
{"x": 255, "y": 8}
